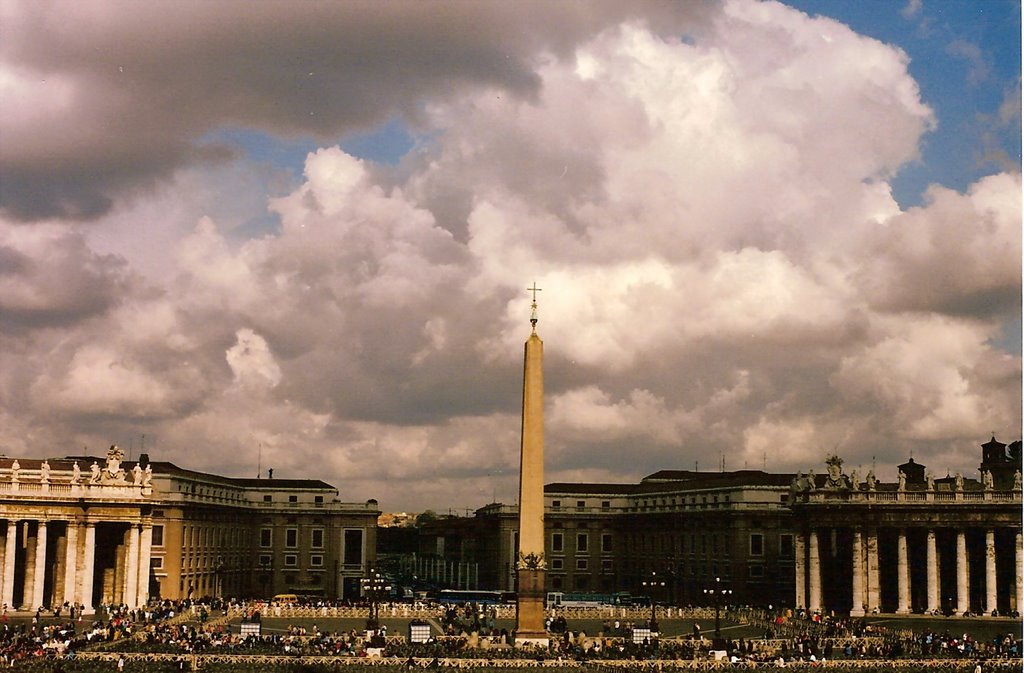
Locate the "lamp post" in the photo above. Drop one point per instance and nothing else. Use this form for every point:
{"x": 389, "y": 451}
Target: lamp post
{"x": 375, "y": 587}
{"x": 716, "y": 592}
{"x": 650, "y": 584}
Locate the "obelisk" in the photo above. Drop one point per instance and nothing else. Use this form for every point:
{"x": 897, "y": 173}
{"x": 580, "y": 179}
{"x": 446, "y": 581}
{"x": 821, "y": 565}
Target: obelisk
{"x": 531, "y": 564}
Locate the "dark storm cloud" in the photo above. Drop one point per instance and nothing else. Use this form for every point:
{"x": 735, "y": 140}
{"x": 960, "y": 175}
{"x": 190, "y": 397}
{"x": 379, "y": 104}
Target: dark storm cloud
{"x": 110, "y": 96}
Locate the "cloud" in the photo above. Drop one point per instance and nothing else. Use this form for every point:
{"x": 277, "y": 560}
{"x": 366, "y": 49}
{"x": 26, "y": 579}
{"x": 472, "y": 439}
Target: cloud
{"x": 724, "y": 268}
{"x": 979, "y": 69}
{"x": 167, "y": 73}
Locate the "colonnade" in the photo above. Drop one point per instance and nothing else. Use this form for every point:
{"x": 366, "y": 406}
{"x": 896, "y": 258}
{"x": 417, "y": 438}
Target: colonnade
{"x": 70, "y": 561}
{"x": 866, "y": 571}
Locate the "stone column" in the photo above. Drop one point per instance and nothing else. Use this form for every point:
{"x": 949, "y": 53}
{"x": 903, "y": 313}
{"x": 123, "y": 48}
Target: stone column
{"x": 88, "y": 566}
{"x": 814, "y": 568}
{"x": 857, "y": 607}
{"x": 874, "y": 591}
{"x": 10, "y": 555}
{"x": 800, "y": 569}
{"x": 131, "y": 568}
{"x": 932, "y": 562}
{"x": 990, "y": 571}
{"x": 28, "y": 582}
{"x": 145, "y": 548}
{"x": 963, "y": 602}
{"x": 902, "y": 574}
{"x": 1018, "y": 596}
{"x": 39, "y": 582}
{"x": 71, "y": 563}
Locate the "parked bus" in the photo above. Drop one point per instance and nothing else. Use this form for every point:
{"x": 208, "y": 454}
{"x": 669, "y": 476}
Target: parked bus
{"x": 481, "y": 597}
{"x": 559, "y": 599}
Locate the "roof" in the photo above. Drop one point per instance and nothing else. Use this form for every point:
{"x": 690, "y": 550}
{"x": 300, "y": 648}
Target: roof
{"x": 161, "y": 467}
{"x": 677, "y": 480}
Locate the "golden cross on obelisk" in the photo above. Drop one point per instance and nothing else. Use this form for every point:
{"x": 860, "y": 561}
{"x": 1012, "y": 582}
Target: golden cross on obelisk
{"x": 533, "y": 306}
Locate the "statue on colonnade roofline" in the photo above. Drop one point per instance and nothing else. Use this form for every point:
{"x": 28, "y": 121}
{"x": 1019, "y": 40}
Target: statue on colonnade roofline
{"x": 958, "y": 482}
{"x": 855, "y": 480}
{"x": 986, "y": 480}
{"x": 147, "y": 475}
{"x": 797, "y": 485}
{"x": 114, "y": 473}
{"x": 76, "y": 473}
{"x": 15, "y": 470}
{"x": 871, "y": 480}
{"x": 44, "y": 472}
{"x": 902, "y": 481}
{"x": 94, "y": 473}
{"x": 811, "y": 481}
{"x": 1016, "y": 480}
{"x": 930, "y": 481}
{"x": 834, "y": 465}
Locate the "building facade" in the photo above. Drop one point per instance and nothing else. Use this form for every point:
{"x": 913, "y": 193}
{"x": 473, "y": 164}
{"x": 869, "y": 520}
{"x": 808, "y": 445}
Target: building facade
{"x": 833, "y": 542}
{"x": 667, "y": 537}
{"x": 93, "y": 531}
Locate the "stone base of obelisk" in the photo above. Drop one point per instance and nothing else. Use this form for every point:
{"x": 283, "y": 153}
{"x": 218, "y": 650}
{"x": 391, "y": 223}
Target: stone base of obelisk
{"x": 530, "y": 609}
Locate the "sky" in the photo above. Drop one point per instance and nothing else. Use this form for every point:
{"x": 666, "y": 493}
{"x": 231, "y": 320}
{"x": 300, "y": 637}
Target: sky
{"x": 299, "y": 236}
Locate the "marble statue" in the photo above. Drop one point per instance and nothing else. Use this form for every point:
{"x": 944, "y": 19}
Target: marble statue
{"x": 855, "y": 480}
{"x": 958, "y": 482}
{"x": 986, "y": 480}
{"x": 834, "y": 466}
{"x": 15, "y": 470}
{"x": 1016, "y": 480}
{"x": 147, "y": 476}
{"x": 930, "y": 481}
{"x": 810, "y": 481}
{"x": 903, "y": 482}
{"x": 114, "y": 473}
{"x": 76, "y": 473}
{"x": 871, "y": 480}
{"x": 137, "y": 475}
{"x": 44, "y": 472}
{"x": 94, "y": 473}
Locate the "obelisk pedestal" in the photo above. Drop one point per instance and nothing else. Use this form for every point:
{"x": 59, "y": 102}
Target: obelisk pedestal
{"x": 531, "y": 564}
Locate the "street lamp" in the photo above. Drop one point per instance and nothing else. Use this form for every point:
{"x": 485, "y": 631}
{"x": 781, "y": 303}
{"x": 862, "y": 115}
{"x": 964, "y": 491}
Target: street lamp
{"x": 716, "y": 592}
{"x": 650, "y": 584}
{"x": 375, "y": 587}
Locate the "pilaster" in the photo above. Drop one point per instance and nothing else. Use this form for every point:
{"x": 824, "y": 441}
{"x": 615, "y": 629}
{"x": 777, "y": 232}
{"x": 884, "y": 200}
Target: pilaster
{"x": 932, "y": 562}
{"x": 963, "y": 603}
{"x": 800, "y": 569}
{"x": 814, "y": 569}
{"x": 991, "y": 603}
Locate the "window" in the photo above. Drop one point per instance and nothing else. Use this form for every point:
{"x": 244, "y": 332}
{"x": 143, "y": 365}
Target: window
{"x": 606, "y": 504}
{"x": 786, "y": 545}
{"x": 582, "y": 540}
{"x": 581, "y": 564}
{"x": 291, "y": 537}
{"x": 555, "y": 504}
{"x": 268, "y": 498}
{"x": 156, "y": 562}
{"x": 318, "y": 499}
{"x": 581, "y": 504}
{"x": 556, "y": 564}
{"x": 265, "y": 560}
{"x": 291, "y": 560}
{"x": 266, "y": 537}
{"x": 158, "y": 536}
{"x": 556, "y": 542}
{"x": 756, "y": 544}
{"x": 757, "y": 570}
{"x": 606, "y": 542}
{"x": 316, "y": 560}
{"x": 317, "y": 538}
{"x": 293, "y": 498}
{"x": 606, "y": 565}
{"x": 353, "y": 547}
